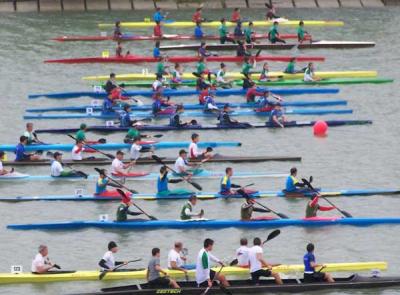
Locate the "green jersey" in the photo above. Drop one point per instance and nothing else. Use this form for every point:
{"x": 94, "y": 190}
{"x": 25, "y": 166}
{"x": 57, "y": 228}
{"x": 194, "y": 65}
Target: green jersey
{"x": 246, "y": 212}
{"x": 311, "y": 211}
{"x": 80, "y": 135}
{"x": 300, "y": 33}
{"x": 273, "y": 33}
{"x": 246, "y": 68}
{"x": 290, "y": 67}
{"x": 122, "y": 213}
{"x": 160, "y": 68}
{"x": 247, "y": 33}
{"x": 222, "y": 31}
{"x": 133, "y": 133}
{"x": 201, "y": 66}
{"x": 185, "y": 216}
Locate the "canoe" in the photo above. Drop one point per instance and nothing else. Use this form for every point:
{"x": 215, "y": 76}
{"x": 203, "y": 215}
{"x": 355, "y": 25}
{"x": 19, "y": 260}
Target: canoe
{"x": 206, "y": 223}
{"x": 166, "y": 37}
{"x": 191, "y": 114}
{"x": 266, "y": 286}
{"x": 298, "y": 103}
{"x": 141, "y": 176}
{"x": 322, "y": 44}
{"x": 185, "y": 92}
{"x": 290, "y": 124}
{"x": 142, "y": 161}
{"x": 292, "y": 82}
{"x": 203, "y": 196}
{"x": 214, "y": 24}
{"x": 118, "y": 146}
{"x": 93, "y": 275}
{"x": 179, "y": 59}
{"x": 238, "y": 75}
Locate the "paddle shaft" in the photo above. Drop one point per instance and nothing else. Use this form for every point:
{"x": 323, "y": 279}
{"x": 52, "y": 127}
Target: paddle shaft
{"x": 134, "y": 204}
{"x": 212, "y": 281}
{"x": 104, "y": 272}
{"x": 89, "y": 146}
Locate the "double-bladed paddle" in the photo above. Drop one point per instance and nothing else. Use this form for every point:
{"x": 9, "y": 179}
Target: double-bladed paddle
{"x": 112, "y": 157}
{"x": 122, "y": 193}
{"x": 115, "y": 181}
{"x": 245, "y": 195}
{"x": 344, "y": 213}
{"x": 106, "y": 271}
{"x": 160, "y": 161}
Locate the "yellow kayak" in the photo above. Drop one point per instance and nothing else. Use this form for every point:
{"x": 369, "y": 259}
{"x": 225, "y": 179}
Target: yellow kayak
{"x": 9, "y": 278}
{"x": 189, "y": 24}
{"x": 237, "y": 75}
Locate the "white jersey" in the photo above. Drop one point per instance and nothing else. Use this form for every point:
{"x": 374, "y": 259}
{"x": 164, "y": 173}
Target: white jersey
{"x": 242, "y": 255}
{"x": 203, "y": 265}
{"x": 76, "y": 154}
{"x": 174, "y": 256}
{"x": 117, "y": 167}
{"x": 180, "y": 165}
{"x": 109, "y": 259}
{"x": 1, "y": 166}
{"x": 135, "y": 151}
{"x": 220, "y": 76}
{"x": 255, "y": 264}
{"x": 194, "y": 151}
{"x": 308, "y": 75}
{"x": 56, "y": 168}
{"x": 38, "y": 262}
{"x": 156, "y": 84}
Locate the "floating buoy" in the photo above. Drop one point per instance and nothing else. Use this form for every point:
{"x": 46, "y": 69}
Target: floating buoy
{"x": 320, "y": 128}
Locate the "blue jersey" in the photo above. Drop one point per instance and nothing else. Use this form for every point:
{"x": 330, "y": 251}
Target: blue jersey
{"x": 125, "y": 119}
{"x": 158, "y": 17}
{"x": 20, "y": 153}
{"x": 156, "y": 106}
{"x": 162, "y": 184}
{"x": 291, "y": 184}
{"x": 101, "y": 185}
{"x": 209, "y": 100}
{"x": 238, "y": 31}
{"x": 156, "y": 52}
{"x": 263, "y": 102}
{"x": 198, "y": 32}
{"x": 107, "y": 105}
{"x": 275, "y": 113}
{"x": 225, "y": 184}
{"x": 308, "y": 259}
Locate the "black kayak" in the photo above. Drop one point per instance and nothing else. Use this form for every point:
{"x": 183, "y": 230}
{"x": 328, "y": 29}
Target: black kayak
{"x": 246, "y": 287}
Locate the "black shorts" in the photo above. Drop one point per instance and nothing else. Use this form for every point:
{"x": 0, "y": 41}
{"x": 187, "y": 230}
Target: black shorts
{"x": 255, "y": 276}
{"x": 314, "y": 277}
{"x": 161, "y": 282}
{"x": 212, "y": 276}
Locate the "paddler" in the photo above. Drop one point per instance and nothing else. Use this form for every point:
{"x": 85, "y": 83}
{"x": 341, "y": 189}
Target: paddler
{"x": 157, "y": 30}
{"x": 20, "y": 154}
{"x": 226, "y": 184}
{"x": 137, "y": 149}
{"x": 258, "y": 263}
{"x": 158, "y": 104}
{"x": 205, "y": 276}
{"x": 187, "y": 211}
{"x": 203, "y": 52}
{"x": 273, "y": 34}
{"x": 177, "y": 74}
{"x": 117, "y": 30}
{"x": 41, "y": 263}
{"x": 183, "y": 167}
{"x": 238, "y": 31}
{"x": 114, "y": 93}
{"x": 276, "y": 117}
{"x": 301, "y": 33}
{"x": 210, "y": 105}
{"x": 271, "y": 12}
{"x": 157, "y": 85}
{"x": 123, "y": 210}
{"x": 309, "y": 74}
{"x": 223, "y": 33}
{"x": 313, "y": 207}
{"x": 202, "y": 84}
{"x": 291, "y": 67}
{"x": 241, "y": 50}
{"x": 225, "y": 119}
{"x": 253, "y": 92}
{"x": 162, "y": 184}
{"x": 247, "y": 209}
{"x": 247, "y": 66}
{"x": 264, "y": 104}
{"x": 134, "y": 132}
{"x": 197, "y": 17}
{"x": 125, "y": 117}
{"x": 108, "y": 262}
{"x": 30, "y": 134}
{"x": 235, "y": 17}
{"x": 158, "y": 16}
{"x": 118, "y": 168}
{"x": 4, "y": 171}
{"x": 153, "y": 273}
{"x": 242, "y": 254}
{"x": 57, "y": 169}
{"x": 176, "y": 259}
{"x": 175, "y": 119}
{"x": 118, "y": 49}
{"x": 156, "y": 50}
{"x": 249, "y": 33}
{"x": 310, "y": 275}
{"x": 221, "y": 81}
{"x": 101, "y": 185}
{"x": 195, "y": 154}
{"x": 162, "y": 69}
{"x": 293, "y": 185}
{"x": 264, "y": 75}
{"x": 80, "y": 135}
{"x": 198, "y": 31}
{"x": 77, "y": 150}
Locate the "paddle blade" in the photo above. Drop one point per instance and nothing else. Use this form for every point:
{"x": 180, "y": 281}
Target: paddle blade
{"x": 283, "y": 216}
{"x": 152, "y": 217}
{"x": 157, "y": 159}
{"x": 133, "y": 191}
{"x": 121, "y": 192}
{"x": 158, "y": 135}
{"x": 346, "y": 214}
{"x": 98, "y": 170}
{"x": 234, "y": 262}
{"x": 196, "y": 185}
{"x": 102, "y": 275}
{"x": 273, "y": 235}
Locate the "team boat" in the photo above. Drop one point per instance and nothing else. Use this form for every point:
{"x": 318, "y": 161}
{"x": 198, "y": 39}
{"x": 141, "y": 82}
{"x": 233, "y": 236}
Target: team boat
{"x": 322, "y": 44}
{"x": 354, "y": 281}
{"x": 212, "y": 224}
{"x": 167, "y": 113}
{"x": 181, "y": 59}
{"x": 119, "y": 146}
{"x": 289, "y": 124}
{"x": 238, "y": 75}
{"x": 99, "y": 93}
{"x": 139, "y": 274}
{"x": 215, "y": 24}
{"x": 84, "y": 108}
{"x": 202, "y": 196}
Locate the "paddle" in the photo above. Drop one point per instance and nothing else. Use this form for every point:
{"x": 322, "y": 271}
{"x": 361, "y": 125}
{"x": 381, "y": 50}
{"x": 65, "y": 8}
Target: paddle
{"x": 104, "y": 272}
{"x": 160, "y": 161}
{"x": 83, "y": 174}
{"x": 223, "y": 289}
{"x": 116, "y": 182}
{"x": 344, "y": 213}
{"x": 122, "y": 193}
{"x": 89, "y": 146}
{"x": 138, "y": 101}
{"x": 281, "y": 215}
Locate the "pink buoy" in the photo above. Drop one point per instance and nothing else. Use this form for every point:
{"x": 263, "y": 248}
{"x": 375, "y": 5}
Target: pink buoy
{"x": 320, "y": 128}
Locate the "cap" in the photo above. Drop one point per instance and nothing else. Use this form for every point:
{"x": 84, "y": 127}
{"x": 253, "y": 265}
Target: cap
{"x": 42, "y": 247}
{"x": 56, "y": 154}
{"x": 111, "y": 245}
{"x": 226, "y": 105}
{"x": 102, "y": 171}
{"x": 83, "y": 126}
{"x": 182, "y": 152}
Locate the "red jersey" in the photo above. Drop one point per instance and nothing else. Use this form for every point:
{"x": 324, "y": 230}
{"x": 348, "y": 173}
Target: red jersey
{"x": 235, "y": 16}
{"x": 252, "y": 93}
{"x": 157, "y": 31}
{"x": 197, "y": 17}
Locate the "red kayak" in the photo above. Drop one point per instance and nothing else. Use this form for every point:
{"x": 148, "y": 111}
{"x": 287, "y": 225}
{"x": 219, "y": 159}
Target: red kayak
{"x": 180, "y": 59}
{"x": 165, "y": 37}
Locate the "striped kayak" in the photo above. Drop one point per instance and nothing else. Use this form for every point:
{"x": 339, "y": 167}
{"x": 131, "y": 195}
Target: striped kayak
{"x": 118, "y": 146}
{"x": 294, "y": 82}
{"x": 185, "y": 92}
{"x": 202, "y": 196}
{"x": 317, "y": 103}
{"x": 16, "y": 176}
{"x": 237, "y": 75}
{"x": 165, "y": 37}
{"x": 322, "y": 44}
{"x": 144, "y": 161}
{"x": 205, "y": 223}
{"x": 290, "y": 124}
{"x": 9, "y": 278}
{"x": 214, "y": 24}
{"x": 191, "y": 114}
{"x": 179, "y": 59}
